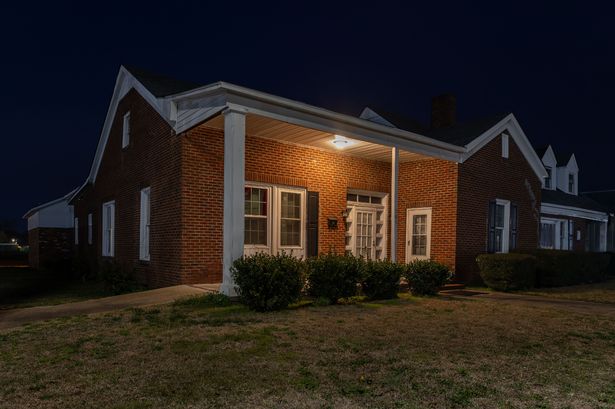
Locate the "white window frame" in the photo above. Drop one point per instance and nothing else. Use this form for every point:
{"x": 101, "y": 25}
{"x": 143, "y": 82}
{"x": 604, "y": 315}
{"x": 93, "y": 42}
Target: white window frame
{"x": 126, "y": 130}
{"x": 90, "y": 228}
{"x": 561, "y": 231}
{"x": 254, "y": 248}
{"x": 549, "y": 221}
{"x": 505, "y": 145}
{"x": 76, "y": 228}
{"x": 410, "y": 213}
{"x": 506, "y": 228}
{"x": 278, "y": 218}
{"x": 108, "y": 230}
{"x": 574, "y": 182}
{"x": 274, "y": 213}
{"x": 549, "y": 170}
{"x": 144, "y": 224}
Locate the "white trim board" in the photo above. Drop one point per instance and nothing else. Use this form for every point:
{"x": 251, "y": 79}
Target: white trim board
{"x": 551, "y": 209}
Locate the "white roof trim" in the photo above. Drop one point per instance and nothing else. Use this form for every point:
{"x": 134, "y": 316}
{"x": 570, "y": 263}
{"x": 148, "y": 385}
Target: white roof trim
{"x": 66, "y": 198}
{"x": 560, "y": 210}
{"x": 510, "y": 125}
{"x": 188, "y": 109}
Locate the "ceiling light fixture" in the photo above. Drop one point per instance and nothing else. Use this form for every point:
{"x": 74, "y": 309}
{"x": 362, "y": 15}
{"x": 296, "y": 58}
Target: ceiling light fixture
{"x": 341, "y": 142}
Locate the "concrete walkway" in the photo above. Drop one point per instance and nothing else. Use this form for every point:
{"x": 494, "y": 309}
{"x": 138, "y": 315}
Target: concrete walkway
{"x": 569, "y": 305}
{"x": 19, "y": 316}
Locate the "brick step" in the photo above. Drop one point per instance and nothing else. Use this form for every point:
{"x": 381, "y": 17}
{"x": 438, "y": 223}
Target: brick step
{"x": 452, "y": 286}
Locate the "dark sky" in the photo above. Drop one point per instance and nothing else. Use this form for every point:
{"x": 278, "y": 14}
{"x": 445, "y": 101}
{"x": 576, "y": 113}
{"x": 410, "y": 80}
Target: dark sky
{"x": 552, "y": 66}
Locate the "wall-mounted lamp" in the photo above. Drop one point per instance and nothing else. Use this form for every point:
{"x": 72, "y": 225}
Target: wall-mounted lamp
{"x": 332, "y": 223}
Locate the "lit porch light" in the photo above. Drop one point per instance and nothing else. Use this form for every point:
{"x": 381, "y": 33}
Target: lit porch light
{"x": 341, "y": 142}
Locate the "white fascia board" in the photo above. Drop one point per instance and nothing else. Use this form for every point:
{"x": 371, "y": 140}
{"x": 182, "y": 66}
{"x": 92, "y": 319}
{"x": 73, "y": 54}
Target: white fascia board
{"x": 560, "y": 210}
{"x": 549, "y": 158}
{"x": 509, "y": 124}
{"x": 66, "y": 198}
{"x": 309, "y": 116}
{"x": 572, "y": 165}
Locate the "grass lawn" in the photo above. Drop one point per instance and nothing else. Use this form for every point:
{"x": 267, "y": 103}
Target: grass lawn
{"x": 406, "y": 353}
{"x": 22, "y": 287}
{"x": 601, "y": 292}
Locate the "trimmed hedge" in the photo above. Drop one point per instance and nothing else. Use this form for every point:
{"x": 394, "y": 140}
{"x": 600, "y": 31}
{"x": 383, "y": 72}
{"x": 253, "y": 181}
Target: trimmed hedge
{"x": 556, "y": 268}
{"x": 268, "y": 282}
{"x": 331, "y": 276}
{"x": 506, "y": 272}
{"x": 425, "y": 277}
{"x": 381, "y": 279}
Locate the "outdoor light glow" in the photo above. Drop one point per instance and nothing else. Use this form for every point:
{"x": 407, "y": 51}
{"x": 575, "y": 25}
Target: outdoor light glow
{"x": 341, "y": 142}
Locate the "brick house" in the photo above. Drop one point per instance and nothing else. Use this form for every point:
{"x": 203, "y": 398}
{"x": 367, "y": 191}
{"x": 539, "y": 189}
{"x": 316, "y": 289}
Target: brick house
{"x": 188, "y": 178}
{"x": 569, "y": 220}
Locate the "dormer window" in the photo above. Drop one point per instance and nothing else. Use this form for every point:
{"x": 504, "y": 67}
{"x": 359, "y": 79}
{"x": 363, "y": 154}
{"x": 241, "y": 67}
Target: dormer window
{"x": 570, "y": 183}
{"x": 549, "y": 178}
{"x": 126, "y": 130}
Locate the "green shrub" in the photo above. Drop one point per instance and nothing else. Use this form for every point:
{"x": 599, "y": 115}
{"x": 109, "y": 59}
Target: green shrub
{"x": 506, "y": 272}
{"x": 556, "y": 268}
{"x": 118, "y": 279}
{"x": 333, "y": 276}
{"x": 381, "y": 279}
{"x": 266, "y": 283}
{"x": 425, "y": 277}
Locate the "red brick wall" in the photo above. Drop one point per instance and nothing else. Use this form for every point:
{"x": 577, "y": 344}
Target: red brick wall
{"x": 268, "y": 161}
{"x": 430, "y": 183}
{"x": 151, "y": 159}
{"x": 49, "y": 245}
{"x": 484, "y": 177}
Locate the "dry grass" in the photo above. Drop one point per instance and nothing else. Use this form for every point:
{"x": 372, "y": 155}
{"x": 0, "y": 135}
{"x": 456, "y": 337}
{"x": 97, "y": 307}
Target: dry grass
{"x": 601, "y": 292}
{"x": 408, "y": 353}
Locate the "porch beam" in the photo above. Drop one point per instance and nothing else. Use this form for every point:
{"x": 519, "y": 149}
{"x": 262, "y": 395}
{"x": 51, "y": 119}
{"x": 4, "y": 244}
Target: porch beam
{"x": 234, "y": 185}
{"x": 394, "y": 190}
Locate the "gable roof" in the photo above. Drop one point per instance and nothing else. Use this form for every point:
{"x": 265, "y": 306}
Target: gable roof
{"x": 562, "y": 198}
{"x": 161, "y": 85}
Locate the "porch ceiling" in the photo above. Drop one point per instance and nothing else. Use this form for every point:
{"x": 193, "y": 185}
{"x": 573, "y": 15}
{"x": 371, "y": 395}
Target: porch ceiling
{"x": 282, "y": 131}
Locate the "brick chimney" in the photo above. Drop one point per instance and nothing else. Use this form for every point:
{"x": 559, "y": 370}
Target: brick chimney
{"x": 443, "y": 111}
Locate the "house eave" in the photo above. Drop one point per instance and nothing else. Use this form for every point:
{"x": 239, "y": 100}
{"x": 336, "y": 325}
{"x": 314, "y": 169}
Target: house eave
{"x": 570, "y": 211}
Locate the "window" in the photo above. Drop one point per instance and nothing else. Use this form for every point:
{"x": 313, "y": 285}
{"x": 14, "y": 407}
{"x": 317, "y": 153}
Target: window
{"x": 502, "y": 226}
{"x": 290, "y": 219}
{"x": 570, "y": 234}
{"x": 571, "y": 183}
{"x": 547, "y": 235}
{"x": 90, "y": 228}
{"x": 504, "y": 145}
{"x": 418, "y": 234}
{"x": 549, "y": 178}
{"x": 144, "y": 224}
{"x": 76, "y": 230}
{"x": 108, "y": 222}
{"x": 126, "y": 130}
{"x": 256, "y": 216}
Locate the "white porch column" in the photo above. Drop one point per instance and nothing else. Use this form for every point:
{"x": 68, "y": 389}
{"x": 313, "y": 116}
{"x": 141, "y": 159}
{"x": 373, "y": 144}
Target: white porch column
{"x": 234, "y": 184}
{"x": 394, "y": 177}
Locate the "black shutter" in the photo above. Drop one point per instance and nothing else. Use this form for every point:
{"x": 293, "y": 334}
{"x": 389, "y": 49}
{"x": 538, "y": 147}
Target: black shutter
{"x": 491, "y": 228}
{"x": 312, "y": 224}
{"x": 514, "y": 217}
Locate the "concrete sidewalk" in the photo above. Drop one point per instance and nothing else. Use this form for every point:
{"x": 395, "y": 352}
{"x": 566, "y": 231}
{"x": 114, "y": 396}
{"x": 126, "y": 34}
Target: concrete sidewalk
{"x": 17, "y": 317}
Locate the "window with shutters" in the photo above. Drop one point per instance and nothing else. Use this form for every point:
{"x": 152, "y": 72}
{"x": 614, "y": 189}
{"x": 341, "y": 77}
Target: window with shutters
{"x": 274, "y": 219}
{"x": 501, "y": 237}
{"x": 144, "y": 224}
{"x": 108, "y": 233}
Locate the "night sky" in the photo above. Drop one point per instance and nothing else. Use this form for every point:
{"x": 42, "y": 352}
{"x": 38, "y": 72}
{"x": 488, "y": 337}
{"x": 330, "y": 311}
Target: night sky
{"x": 553, "y": 67}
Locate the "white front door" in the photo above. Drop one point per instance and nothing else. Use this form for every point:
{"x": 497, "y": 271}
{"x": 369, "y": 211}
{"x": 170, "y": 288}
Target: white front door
{"x": 418, "y": 234}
